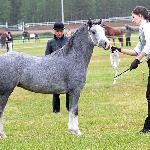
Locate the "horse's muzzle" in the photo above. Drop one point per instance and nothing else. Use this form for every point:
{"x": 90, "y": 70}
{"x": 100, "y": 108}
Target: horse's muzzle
{"x": 103, "y": 44}
{"x": 107, "y": 46}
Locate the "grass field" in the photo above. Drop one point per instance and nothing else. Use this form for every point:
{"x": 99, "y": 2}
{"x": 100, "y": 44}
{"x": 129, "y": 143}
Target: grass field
{"x": 110, "y": 116}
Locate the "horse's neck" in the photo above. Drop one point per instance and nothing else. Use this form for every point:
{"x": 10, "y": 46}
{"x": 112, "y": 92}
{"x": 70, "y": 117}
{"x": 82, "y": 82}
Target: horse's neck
{"x": 82, "y": 47}
{"x": 108, "y": 27}
{"x": 89, "y": 53}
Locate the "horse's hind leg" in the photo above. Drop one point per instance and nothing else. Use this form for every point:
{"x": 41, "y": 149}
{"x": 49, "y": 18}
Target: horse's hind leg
{"x": 3, "y": 101}
{"x": 121, "y": 41}
{"x": 73, "y": 113}
{"x": 113, "y": 41}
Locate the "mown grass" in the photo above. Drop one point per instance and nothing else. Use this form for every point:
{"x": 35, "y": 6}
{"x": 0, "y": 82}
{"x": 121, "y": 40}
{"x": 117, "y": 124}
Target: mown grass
{"x": 110, "y": 116}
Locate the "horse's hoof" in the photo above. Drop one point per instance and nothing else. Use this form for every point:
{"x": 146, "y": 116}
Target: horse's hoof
{"x": 75, "y": 132}
{"x": 3, "y": 136}
{"x": 114, "y": 82}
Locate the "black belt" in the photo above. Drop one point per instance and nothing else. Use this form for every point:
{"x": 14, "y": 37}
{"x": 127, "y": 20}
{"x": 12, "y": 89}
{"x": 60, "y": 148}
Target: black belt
{"x": 148, "y": 62}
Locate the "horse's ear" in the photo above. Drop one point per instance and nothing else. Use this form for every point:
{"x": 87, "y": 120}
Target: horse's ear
{"x": 89, "y": 23}
{"x": 99, "y": 22}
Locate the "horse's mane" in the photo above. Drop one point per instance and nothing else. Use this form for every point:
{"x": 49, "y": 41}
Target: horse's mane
{"x": 66, "y": 48}
{"x": 81, "y": 29}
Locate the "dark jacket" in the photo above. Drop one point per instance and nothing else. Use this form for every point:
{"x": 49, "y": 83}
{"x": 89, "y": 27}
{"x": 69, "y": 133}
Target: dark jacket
{"x": 55, "y": 44}
{"x": 9, "y": 39}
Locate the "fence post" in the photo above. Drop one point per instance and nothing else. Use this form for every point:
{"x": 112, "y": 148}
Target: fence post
{"x": 23, "y": 25}
{"x": 6, "y": 25}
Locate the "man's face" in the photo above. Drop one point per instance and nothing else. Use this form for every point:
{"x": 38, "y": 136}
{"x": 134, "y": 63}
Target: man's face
{"x": 59, "y": 33}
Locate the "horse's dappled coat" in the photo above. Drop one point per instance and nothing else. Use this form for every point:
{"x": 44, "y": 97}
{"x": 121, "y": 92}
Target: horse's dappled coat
{"x": 62, "y": 71}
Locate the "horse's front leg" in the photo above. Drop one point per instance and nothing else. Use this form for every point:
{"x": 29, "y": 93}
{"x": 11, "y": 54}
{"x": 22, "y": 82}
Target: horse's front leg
{"x": 113, "y": 41}
{"x": 73, "y": 113}
{"x": 3, "y": 101}
{"x": 116, "y": 73}
{"x": 2, "y": 134}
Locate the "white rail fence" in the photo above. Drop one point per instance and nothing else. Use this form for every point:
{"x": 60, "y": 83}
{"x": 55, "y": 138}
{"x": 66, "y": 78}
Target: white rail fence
{"x": 23, "y": 25}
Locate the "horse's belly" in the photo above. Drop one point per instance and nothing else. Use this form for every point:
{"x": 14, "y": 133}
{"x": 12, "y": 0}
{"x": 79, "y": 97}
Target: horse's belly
{"x": 44, "y": 86}
{"x": 43, "y": 79}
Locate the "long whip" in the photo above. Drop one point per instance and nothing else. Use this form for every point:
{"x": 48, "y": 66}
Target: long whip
{"x": 124, "y": 72}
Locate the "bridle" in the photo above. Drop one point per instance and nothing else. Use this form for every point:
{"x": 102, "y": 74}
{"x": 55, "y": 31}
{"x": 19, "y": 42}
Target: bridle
{"x": 93, "y": 39}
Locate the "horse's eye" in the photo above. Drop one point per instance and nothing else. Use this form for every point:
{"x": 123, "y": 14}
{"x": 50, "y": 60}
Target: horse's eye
{"x": 93, "y": 32}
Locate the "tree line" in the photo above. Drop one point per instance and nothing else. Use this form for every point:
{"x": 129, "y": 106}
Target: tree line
{"x": 50, "y": 10}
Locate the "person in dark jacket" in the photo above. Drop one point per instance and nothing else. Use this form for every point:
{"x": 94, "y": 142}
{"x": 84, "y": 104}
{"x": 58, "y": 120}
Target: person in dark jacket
{"x": 54, "y": 44}
{"x": 128, "y": 35}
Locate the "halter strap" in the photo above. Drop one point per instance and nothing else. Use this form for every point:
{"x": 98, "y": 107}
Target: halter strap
{"x": 93, "y": 40}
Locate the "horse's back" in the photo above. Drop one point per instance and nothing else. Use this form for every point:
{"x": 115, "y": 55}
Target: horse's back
{"x": 14, "y": 57}
{"x": 113, "y": 31}
{"x": 13, "y": 63}
{"x": 8, "y": 58}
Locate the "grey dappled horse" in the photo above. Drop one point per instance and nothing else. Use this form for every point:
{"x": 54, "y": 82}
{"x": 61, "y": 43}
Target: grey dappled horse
{"x": 64, "y": 71}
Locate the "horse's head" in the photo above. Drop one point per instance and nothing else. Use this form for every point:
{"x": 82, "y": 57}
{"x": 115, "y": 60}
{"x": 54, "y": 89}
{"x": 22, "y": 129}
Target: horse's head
{"x": 97, "y": 34}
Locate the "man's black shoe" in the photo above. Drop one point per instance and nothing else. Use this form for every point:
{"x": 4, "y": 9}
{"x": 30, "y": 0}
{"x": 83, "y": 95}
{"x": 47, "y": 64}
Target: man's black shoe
{"x": 56, "y": 111}
{"x": 145, "y": 130}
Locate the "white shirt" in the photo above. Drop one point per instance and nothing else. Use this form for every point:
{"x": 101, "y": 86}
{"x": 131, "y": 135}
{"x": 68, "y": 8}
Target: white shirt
{"x": 144, "y": 39}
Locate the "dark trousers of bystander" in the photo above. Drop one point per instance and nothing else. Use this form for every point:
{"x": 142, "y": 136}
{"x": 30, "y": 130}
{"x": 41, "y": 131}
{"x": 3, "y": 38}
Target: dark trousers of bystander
{"x": 128, "y": 41}
{"x": 56, "y": 102}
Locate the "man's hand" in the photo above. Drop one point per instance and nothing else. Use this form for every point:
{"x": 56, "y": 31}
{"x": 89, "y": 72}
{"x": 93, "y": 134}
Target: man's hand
{"x": 114, "y": 49}
{"x": 134, "y": 64}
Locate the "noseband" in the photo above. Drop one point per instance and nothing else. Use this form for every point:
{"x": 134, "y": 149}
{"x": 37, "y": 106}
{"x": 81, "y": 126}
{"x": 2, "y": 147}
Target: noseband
{"x": 93, "y": 39}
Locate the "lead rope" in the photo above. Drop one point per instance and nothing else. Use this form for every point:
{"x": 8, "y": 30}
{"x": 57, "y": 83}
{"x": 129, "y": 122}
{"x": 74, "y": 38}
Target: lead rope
{"x": 114, "y": 60}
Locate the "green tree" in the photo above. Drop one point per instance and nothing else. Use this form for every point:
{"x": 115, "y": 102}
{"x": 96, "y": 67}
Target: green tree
{"x": 50, "y": 10}
{"x": 83, "y": 9}
{"x": 15, "y": 10}
{"x": 4, "y": 11}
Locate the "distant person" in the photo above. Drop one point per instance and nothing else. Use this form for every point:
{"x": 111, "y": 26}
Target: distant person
{"x": 54, "y": 44}
{"x": 9, "y": 42}
{"x": 128, "y": 35}
{"x": 37, "y": 37}
{"x": 3, "y": 40}
{"x": 25, "y": 36}
{"x": 0, "y": 42}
